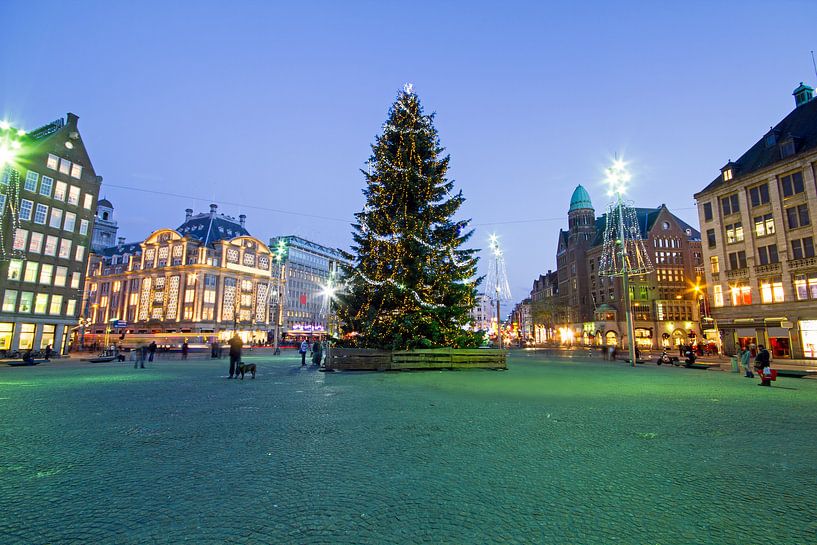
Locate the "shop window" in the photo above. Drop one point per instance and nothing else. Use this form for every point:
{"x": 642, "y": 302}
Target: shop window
{"x": 779, "y": 347}
{"x": 6, "y": 332}
{"x": 717, "y": 295}
{"x": 47, "y": 338}
{"x": 808, "y": 334}
{"x": 27, "y": 336}
{"x": 771, "y": 290}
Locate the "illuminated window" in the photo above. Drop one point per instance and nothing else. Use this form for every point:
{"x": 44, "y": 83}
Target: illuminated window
{"x": 59, "y": 191}
{"x": 734, "y": 233}
{"x": 50, "y": 245}
{"x": 56, "y": 218}
{"x": 31, "y": 181}
{"x": 40, "y": 214}
{"x": 9, "y": 300}
{"x": 727, "y": 174}
{"x": 27, "y": 336}
{"x": 70, "y": 222}
{"x": 73, "y": 195}
{"x": 65, "y": 166}
{"x": 56, "y": 304}
{"x": 714, "y": 263}
{"x": 76, "y": 171}
{"x": 52, "y": 162}
{"x": 46, "y": 274}
{"x": 71, "y": 307}
{"x": 26, "y": 206}
{"x": 60, "y": 276}
{"x": 15, "y": 269}
{"x": 83, "y": 227}
{"x": 35, "y": 245}
{"x": 771, "y": 290}
{"x": 75, "y": 280}
{"x": 26, "y": 299}
{"x": 717, "y": 294}
{"x": 764, "y": 225}
{"x": 88, "y": 201}
{"x": 80, "y": 253}
{"x": 805, "y": 286}
{"x": 30, "y": 274}
{"x": 46, "y": 185}
{"x": 65, "y": 249}
{"x": 741, "y": 294}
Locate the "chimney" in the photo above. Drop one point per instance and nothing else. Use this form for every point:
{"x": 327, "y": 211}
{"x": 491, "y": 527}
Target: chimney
{"x": 120, "y": 241}
{"x": 188, "y": 213}
{"x": 802, "y": 94}
{"x": 213, "y": 208}
{"x": 242, "y": 219}
{"x": 73, "y": 118}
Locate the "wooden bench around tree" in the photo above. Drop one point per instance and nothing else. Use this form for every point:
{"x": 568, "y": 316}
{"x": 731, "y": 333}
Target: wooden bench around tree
{"x": 357, "y": 359}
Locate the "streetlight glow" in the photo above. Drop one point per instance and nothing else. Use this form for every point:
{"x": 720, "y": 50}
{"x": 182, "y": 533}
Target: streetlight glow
{"x": 5, "y": 125}
{"x": 7, "y": 154}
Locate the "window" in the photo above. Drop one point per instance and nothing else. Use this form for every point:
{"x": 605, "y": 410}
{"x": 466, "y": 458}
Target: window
{"x": 797, "y": 216}
{"x": 56, "y": 304}
{"x": 710, "y": 237}
{"x": 65, "y": 166}
{"x": 727, "y": 174}
{"x": 40, "y": 214}
{"x": 759, "y": 195}
{"x": 792, "y": 184}
{"x": 787, "y": 149}
{"x": 59, "y": 191}
{"x": 20, "y": 237}
{"x": 2, "y": 203}
{"x": 80, "y": 253}
{"x": 741, "y": 294}
{"x": 771, "y": 290}
{"x": 737, "y": 260}
{"x": 31, "y": 181}
{"x": 71, "y": 307}
{"x": 30, "y": 274}
{"x": 730, "y": 205}
{"x": 715, "y": 265}
{"x": 40, "y": 303}
{"x": 73, "y": 195}
{"x": 717, "y": 295}
{"x": 70, "y": 222}
{"x": 88, "y": 201}
{"x": 15, "y": 269}
{"x": 35, "y": 245}
{"x": 75, "y": 280}
{"x": 60, "y": 276}
{"x": 768, "y": 254}
{"x": 76, "y": 171}
{"x": 46, "y": 274}
{"x": 805, "y": 286}
{"x": 50, "y": 245}
{"x": 707, "y": 211}
{"x": 26, "y": 299}
{"x": 26, "y": 206}
{"x": 734, "y": 233}
{"x": 83, "y": 227}
{"x": 764, "y": 225}
{"x": 65, "y": 248}
{"x": 802, "y": 248}
{"x": 46, "y": 186}
{"x": 56, "y": 218}
{"x": 9, "y": 300}
{"x": 52, "y": 162}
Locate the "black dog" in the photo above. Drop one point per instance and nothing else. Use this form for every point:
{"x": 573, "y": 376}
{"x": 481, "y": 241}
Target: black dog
{"x": 246, "y": 368}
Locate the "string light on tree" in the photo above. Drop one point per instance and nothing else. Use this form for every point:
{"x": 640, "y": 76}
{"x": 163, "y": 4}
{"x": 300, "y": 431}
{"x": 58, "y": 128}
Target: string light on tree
{"x": 623, "y": 253}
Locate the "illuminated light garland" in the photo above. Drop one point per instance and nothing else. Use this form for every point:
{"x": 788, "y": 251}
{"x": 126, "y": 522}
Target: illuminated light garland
{"x": 638, "y": 260}
{"x": 496, "y": 283}
{"x": 400, "y": 287}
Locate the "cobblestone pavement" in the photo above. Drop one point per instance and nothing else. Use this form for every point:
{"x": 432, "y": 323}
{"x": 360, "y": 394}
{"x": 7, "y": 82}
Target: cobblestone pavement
{"x": 547, "y": 452}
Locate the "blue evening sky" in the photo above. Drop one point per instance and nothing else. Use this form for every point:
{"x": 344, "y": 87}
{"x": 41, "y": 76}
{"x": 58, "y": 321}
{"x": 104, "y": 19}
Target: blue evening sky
{"x": 274, "y": 105}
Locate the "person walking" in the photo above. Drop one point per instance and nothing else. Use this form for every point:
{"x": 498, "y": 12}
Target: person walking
{"x": 302, "y": 351}
{"x": 151, "y": 350}
{"x": 763, "y": 365}
{"x": 48, "y": 353}
{"x": 235, "y": 354}
{"x": 185, "y": 350}
{"x": 140, "y": 357}
{"x": 746, "y": 361}
{"x": 317, "y": 353}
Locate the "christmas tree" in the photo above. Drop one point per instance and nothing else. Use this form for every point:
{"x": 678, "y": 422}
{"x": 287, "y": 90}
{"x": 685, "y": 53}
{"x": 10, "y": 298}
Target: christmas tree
{"x": 411, "y": 284}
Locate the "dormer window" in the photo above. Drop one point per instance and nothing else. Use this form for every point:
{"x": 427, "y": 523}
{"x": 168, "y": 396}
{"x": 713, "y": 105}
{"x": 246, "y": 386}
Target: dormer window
{"x": 727, "y": 174}
{"x": 787, "y": 149}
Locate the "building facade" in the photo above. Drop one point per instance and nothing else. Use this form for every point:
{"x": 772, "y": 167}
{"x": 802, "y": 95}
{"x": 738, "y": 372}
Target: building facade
{"x": 546, "y": 313}
{"x": 665, "y": 303}
{"x": 203, "y": 281}
{"x": 303, "y": 270}
{"x": 761, "y": 268}
{"x": 48, "y": 194}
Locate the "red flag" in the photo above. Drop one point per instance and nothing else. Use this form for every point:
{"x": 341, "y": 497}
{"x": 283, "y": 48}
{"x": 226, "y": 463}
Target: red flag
{"x": 303, "y": 298}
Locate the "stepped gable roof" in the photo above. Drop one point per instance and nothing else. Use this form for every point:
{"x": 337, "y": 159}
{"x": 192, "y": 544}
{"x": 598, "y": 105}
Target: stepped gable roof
{"x": 646, "y": 219}
{"x": 801, "y": 123}
{"x": 119, "y": 249}
{"x": 211, "y": 228}
{"x": 580, "y": 199}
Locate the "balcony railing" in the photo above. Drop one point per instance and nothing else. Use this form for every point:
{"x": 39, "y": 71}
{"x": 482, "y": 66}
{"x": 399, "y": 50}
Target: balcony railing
{"x": 737, "y": 273}
{"x": 768, "y": 269}
{"x": 716, "y": 276}
{"x": 805, "y": 263}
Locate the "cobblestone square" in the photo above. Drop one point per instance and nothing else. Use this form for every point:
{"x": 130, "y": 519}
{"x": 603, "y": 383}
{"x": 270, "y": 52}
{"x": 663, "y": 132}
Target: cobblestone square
{"x": 546, "y": 452}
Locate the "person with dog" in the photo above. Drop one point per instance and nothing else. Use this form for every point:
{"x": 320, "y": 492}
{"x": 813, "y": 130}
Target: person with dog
{"x": 235, "y": 354}
{"x": 302, "y": 350}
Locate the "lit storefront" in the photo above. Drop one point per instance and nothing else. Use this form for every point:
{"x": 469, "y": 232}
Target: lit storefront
{"x": 808, "y": 335}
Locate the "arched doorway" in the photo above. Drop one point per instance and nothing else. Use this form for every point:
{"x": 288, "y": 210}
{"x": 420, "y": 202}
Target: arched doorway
{"x": 611, "y": 338}
{"x": 678, "y": 337}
